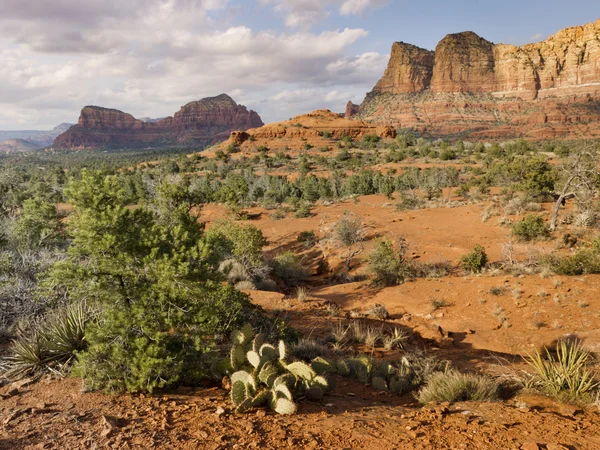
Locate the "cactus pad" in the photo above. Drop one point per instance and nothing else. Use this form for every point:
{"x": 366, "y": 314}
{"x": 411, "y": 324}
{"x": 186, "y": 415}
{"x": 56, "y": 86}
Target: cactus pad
{"x": 301, "y": 370}
{"x": 285, "y": 406}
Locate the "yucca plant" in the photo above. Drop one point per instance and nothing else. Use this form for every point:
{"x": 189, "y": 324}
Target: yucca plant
{"x": 54, "y": 342}
{"x": 65, "y": 332}
{"x": 30, "y": 353}
{"x": 567, "y": 373}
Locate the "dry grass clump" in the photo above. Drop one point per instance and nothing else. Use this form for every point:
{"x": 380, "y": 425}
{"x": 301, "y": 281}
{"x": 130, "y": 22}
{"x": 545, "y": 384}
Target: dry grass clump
{"x": 302, "y": 294}
{"x": 308, "y": 349}
{"x": 378, "y": 311}
{"x": 360, "y": 332}
{"x": 397, "y": 339}
{"x": 453, "y": 386}
{"x": 245, "y": 286}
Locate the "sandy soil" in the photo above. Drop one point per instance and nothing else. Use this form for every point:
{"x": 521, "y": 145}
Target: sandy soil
{"x": 481, "y": 323}
{"x": 57, "y": 415}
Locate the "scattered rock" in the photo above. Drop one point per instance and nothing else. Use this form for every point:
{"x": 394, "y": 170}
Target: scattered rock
{"x": 556, "y": 447}
{"x": 531, "y": 446}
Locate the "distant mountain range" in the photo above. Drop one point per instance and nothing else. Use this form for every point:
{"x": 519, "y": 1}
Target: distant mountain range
{"x": 27, "y": 140}
{"x": 195, "y": 125}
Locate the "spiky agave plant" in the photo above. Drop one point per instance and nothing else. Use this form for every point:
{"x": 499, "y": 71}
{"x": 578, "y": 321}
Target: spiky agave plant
{"x": 28, "y": 354}
{"x": 565, "y": 374}
{"x": 54, "y": 342}
{"x": 65, "y": 332}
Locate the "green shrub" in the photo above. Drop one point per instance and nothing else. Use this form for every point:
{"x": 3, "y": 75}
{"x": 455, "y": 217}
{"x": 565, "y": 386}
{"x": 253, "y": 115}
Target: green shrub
{"x": 409, "y": 203}
{"x": 307, "y": 238}
{"x": 453, "y": 386}
{"x": 303, "y": 211}
{"x": 447, "y": 155}
{"x": 530, "y": 228}
{"x": 474, "y": 261}
{"x": 579, "y": 263}
{"x": 156, "y": 286}
{"x": 290, "y": 267}
{"x": 389, "y": 266}
{"x": 566, "y": 375}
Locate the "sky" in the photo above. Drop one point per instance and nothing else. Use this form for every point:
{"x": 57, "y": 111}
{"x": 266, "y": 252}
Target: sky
{"x": 279, "y": 57}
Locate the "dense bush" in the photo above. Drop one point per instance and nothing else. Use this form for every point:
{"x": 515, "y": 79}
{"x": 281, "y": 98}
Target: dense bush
{"x": 475, "y": 261}
{"x": 159, "y": 311}
{"x": 307, "y": 238}
{"x": 290, "y": 267}
{"x": 530, "y": 228}
{"x": 389, "y": 265}
{"x": 579, "y": 263}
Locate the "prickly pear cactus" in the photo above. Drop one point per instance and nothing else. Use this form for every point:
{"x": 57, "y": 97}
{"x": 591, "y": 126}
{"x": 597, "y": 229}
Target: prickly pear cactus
{"x": 321, "y": 366}
{"x": 268, "y": 352}
{"x": 321, "y": 382}
{"x": 237, "y": 356}
{"x": 268, "y": 374}
{"x": 258, "y": 341}
{"x": 285, "y": 406}
{"x": 254, "y": 358}
{"x": 283, "y": 391}
{"x": 343, "y": 368}
{"x": 379, "y": 384}
{"x": 261, "y": 399}
{"x": 287, "y": 378}
{"x": 239, "y": 393}
{"x": 282, "y": 351}
{"x": 301, "y": 370}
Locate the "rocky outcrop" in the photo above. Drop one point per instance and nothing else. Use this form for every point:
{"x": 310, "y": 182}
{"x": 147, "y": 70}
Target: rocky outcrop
{"x": 317, "y": 128}
{"x": 196, "y": 124}
{"x": 352, "y": 109}
{"x": 470, "y": 85}
{"x": 409, "y": 70}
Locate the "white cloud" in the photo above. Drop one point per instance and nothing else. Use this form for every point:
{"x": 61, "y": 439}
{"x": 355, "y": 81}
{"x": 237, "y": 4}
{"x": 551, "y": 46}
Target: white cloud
{"x": 306, "y": 13}
{"x": 360, "y": 6}
{"x": 151, "y": 60}
{"x": 536, "y": 37}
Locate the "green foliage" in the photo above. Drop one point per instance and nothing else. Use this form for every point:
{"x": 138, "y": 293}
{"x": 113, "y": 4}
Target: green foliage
{"x": 303, "y": 211}
{"x": 53, "y": 343}
{"x": 290, "y": 267}
{"x": 585, "y": 261}
{"x": 307, "y": 238}
{"x": 448, "y": 155}
{"x": 349, "y": 230}
{"x": 389, "y": 266}
{"x": 151, "y": 282}
{"x": 475, "y": 261}
{"x": 37, "y": 225}
{"x": 243, "y": 243}
{"x": 568, "y": 374}
{"x": 453, "y": 386}
{"x": 530, "y": 228}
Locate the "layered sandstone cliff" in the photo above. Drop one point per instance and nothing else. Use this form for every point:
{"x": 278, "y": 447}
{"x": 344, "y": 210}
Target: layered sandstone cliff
{"x": 470, "y": 85}
{"x": 196, "y": 124}
{"x": 318, "y": 128}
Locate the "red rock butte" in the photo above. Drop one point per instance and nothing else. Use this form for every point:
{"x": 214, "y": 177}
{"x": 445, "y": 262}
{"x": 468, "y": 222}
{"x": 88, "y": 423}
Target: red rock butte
{"x": 196, "y": 124}
{"x": 469, "y": 86}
